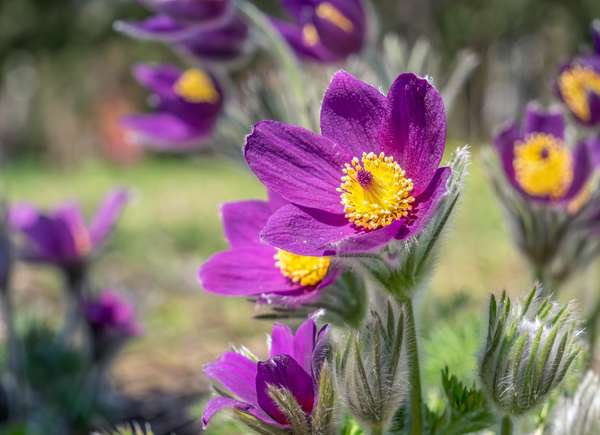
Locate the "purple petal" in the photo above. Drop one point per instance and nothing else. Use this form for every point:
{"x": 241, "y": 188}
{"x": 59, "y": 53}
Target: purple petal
{"x": 415, "y": 132}
{"x": 156, "y": 28}
{"x": 301, "y": 166}
{"x": 108, "y": 214}
{"x": 304, "y": 344}
{"x": 582, "y": 170}
{"x": 284, "y": 372}
{"x": 293, "y": 34}
{"x": 594, "y": 150}
{"x": 504, "y": 141}
{"x": 236, "y": 373}
{"x": 70, "y": 214}
{"x": 295, "y": 230}
{"x": 244, "y": 271}
{"x": 594, "y": 103}
{"x": 425, "y": 204}
{"x": 220, "y": 43}
{"x": 282, "y": 340}
{"x": 352, "y": 114}
{"x": 217, "y": 404}
{"x": 538, "y": 120}
{"x": 298, "y": 9}
{"x": 205, "y": 12}
{"x": 343, "y": 41}
{"x": 243, "y": 221}
{"x": 159, "y": 79}
{"x": 165, "y": 131}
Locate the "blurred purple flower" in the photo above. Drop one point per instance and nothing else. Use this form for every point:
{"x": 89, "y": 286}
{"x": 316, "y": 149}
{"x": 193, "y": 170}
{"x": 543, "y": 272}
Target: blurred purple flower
{"x": 208, "y": 29}
{"x": 294, "y": 364}
{"x": 324, "y": 31}
{"x": 108, "y": 314}
{"x": 188, "y": 104}
{"x": 252, "y": 268}
{"x": 371, "y": 176}
{"x": 61, "y": 236}
{"x": 578, "y": 84}
{"x": 538, "y": 163}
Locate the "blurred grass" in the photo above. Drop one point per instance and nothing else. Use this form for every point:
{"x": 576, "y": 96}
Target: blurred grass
{"x": 173, "y": 225}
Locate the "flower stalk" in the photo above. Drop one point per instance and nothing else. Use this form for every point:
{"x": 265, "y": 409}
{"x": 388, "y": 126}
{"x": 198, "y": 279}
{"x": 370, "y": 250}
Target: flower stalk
{"x": 506, "y": 426}
{"x": 414, "y": 370}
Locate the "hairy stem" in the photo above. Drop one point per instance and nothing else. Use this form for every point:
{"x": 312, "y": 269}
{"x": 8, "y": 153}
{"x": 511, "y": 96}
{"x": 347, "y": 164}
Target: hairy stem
{"x": 377, "y": 429}
{"x": 414, "y": 373}
{"x": 506, "y": 426}
{"x": 592, "y": 326}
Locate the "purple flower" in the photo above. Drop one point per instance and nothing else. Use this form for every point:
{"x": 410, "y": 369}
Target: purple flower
{"x": 294, "y": 364}
{"x": 61, "y": 236}
{"x": 188, "y": 104}
{"x": 252, "y": 268}
{"x": 108, "y": 314}
{"x": 578, "y": 84}
{"x": 208, "y": 29}
{"x": 324, "y": 31}
{"x": 538, "y": 163}
{"x": 370, "y": 177}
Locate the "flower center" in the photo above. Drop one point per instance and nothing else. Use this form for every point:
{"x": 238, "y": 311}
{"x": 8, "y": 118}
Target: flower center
{"x": 543, "y": 165}
{"x": 328, "y": 12}
{"x": 195, "y": 86}
{"x": 375, "y": 191}
{"x": 575, "y": 84}
{"x": 302, "y": 269}
{"x": 310, "y": 35}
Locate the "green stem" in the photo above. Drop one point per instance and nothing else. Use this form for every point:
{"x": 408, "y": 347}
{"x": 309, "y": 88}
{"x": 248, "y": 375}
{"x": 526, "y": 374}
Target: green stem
{"x": 506, "y": 426}
{"x": 376, "y": 429}
{"x": 592, "y": 326}
{"x": 414, "y": 373}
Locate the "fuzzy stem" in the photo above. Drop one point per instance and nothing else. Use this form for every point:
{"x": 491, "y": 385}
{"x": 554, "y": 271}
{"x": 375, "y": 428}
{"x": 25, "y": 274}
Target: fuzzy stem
{"x": 377, "y": 429}
{"x": 592, "y": 327}
{"x": 414, "y": 373}
{"x": 506, "y": 426}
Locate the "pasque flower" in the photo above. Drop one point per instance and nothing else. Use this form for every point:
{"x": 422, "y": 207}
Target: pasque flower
{"x": 108, "y": 313}
{"x": 538, "y": 162}
{"x": 61, "y": 236}
{"x": 208, "y": 29}
{"x": 294, "y": 364}
{"x": 578, "y": 84}
{"x": 371, "y": 176}
{"x": 252, "y": 268}
{"x": 324, "y": 31}
{"x": 188, "y": 104}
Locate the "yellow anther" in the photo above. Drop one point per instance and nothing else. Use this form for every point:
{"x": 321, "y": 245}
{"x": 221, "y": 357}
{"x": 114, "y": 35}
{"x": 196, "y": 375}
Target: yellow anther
{"x": 195, "y": 86}
{"x": 575, "y": 84}
{"x": 327, "y": 11}
{"x": 302, "y": 269}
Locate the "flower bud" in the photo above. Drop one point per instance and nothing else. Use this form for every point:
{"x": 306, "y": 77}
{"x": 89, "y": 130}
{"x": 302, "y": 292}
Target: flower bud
{"x": 528, "y": 351}
{"x": 370, "y": 369}
{"x": 579, "y": 415}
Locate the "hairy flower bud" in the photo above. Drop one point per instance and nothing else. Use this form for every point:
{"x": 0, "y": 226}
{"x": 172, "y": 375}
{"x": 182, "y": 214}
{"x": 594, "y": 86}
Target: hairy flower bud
{"x": 528, "y": 351}
{"x": 579, "y": 415}
{"x": 370, "y": 369}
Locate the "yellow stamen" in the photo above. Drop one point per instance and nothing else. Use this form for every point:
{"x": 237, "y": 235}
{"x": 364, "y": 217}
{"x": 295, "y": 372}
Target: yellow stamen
{"x": 575, "y": 84}
{"x": 195, "y": 86}
{"x": 543, "y": 166}
{"x": 302, "y": 269}
{"x": 327, "y": 11}
{"x": 310, "y": 35}
{"x": 376, "y": 193}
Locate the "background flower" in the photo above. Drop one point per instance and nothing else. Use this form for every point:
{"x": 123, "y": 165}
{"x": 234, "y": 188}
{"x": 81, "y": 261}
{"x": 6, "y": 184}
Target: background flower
{"x": 370, "y": 177}
{"x": 187, "y": 103}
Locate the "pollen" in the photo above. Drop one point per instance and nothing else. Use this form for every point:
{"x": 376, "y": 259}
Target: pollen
{"x": 327, "y": 11}
{"x": 310, "y": 35}
{"x": 196, "y": 86}
{"x": 575, "y": 85}
{"x": 302, "y": 269}
{"x": 375, "y": 191}
{"x": 543, "y": 166}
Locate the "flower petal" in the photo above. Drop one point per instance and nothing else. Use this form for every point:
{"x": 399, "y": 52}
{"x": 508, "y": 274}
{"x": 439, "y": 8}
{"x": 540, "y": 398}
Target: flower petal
{"x": 346, "y": 39}
{"x": 538, "y": 120}
{"x": 304, "y": 344}
{"x": 217, "y": 404}
{"x": 156, "y": 28}
{"x": 108, "y": 214}
{"x": 425, "y": 204}
{"x": 582, "y": 170}
{"x": 159, "y": 79}
{"x": 504, "y": 141}
{"x": 301, "y": 166}
{"x": 204, "y": 12}
{"x": 352, "y": 114}
{"x": 244, "y": 271}
{"x": 243, "y": 221}
{"x": 166, "y": 132}
{"x": 415, "y": 131}
{"x": 296, "y": 230}
{"x": 220, "y": 43}
{"x": 293, "y": 34}
{"x": 282, "y": 340}
{"x": 236, "y": 373}
{"x": 284, "y": 372}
